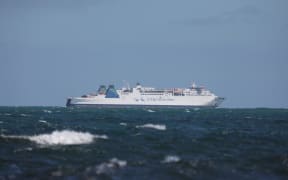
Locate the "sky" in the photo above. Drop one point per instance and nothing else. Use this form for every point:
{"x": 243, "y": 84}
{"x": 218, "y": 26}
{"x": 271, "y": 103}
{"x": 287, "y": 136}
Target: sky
{"x": 50, "y": 50}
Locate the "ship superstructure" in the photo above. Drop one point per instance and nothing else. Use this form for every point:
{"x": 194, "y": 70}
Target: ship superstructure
{"x": 193, "y": 96}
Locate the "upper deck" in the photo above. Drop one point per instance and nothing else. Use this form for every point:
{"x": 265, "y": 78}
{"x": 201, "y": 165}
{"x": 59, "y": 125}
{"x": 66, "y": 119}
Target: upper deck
{"x": 111, "y": 92}
{"x": 148, "y": 91}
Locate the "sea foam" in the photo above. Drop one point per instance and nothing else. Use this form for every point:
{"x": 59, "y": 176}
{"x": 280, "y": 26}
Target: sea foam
{"x": 153, "y": 126}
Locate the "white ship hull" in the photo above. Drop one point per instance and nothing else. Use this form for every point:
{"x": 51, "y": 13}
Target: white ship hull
{"x": 173, "y": 101}
{"x": 141, "y": 96}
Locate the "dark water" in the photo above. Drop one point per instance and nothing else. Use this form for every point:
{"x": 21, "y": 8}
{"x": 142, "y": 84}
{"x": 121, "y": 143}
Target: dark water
{"x": 60, "y": 143}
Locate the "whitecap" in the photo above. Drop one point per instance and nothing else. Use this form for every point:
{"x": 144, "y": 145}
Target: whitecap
{"x": 24, "y": 149}
{"x": 109, "y": 167}
{"x": 137, "y": 134}
{"x": 101, "y": 136}
{"x": 43, "y": 121}
{"x": 123, "y": 124}
{"x": 117, "y": 162}
{"x": 171, "y": 159}
{"x": 28, "y": 149}
{"x": 7, "y": 114}
{"x": 24, "y": 115}
{"x": 47, "y": 111}
{"x": 150, "y": 110}
{"x": 187, "y": 110}
{"x": 153, "y": 126}
{"x": 65, "y": 137}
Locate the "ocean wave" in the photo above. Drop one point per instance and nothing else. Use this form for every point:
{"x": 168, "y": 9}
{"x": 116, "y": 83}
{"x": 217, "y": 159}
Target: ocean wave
{"x": 171, "y": 159}
{"x": 107, "y": 167}
{"x": 153, "y": 126}
{"x": 65, "y": 137}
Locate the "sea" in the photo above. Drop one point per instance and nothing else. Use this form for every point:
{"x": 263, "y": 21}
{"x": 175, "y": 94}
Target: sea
{"x": 143, "y": 143}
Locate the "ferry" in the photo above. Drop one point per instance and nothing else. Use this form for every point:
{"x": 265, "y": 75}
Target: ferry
{"x": 193, "y": 96}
